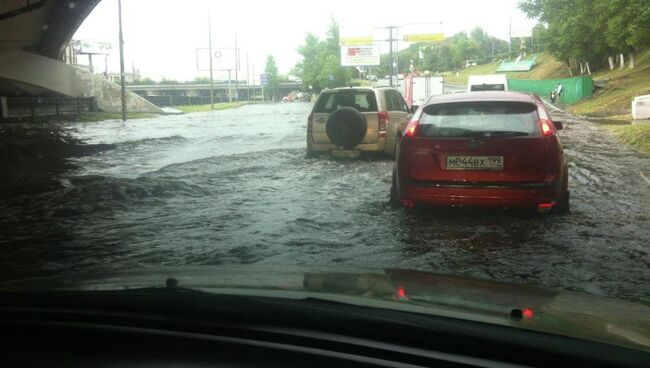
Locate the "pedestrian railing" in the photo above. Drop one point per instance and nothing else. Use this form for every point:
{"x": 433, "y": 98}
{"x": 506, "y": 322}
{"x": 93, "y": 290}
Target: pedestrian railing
{"x": 451, "y": 86}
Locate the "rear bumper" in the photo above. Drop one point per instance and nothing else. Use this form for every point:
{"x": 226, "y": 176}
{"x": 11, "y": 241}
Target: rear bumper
{"x": 366, "y": 147}
{"x": 513, "y": 195}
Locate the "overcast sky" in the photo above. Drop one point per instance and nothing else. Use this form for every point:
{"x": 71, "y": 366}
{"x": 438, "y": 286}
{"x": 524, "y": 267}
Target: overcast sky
{"x": 161, "y": 36}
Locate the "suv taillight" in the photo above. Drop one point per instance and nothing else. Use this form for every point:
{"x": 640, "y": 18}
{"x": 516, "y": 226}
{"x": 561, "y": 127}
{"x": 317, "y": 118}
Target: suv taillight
{"x": 412, "y": 128}
{"x": 545, "y": 122}
{"x": 383, "y": 123}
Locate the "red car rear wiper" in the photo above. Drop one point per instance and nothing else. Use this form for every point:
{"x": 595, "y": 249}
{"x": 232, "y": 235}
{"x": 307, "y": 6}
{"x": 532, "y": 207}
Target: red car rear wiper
{"x": 499, "y": 133}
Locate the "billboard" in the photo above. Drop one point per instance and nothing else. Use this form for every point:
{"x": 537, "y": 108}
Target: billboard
{"x": 360, "y": 55}
{"x": 357, "y": 41}
{"x": 423, "y": 32}
{"x": 222, "y": 59}
{"x": 92, "y": 47}
{"x": 424, "y": 37}
{"x": 354, "y": 36}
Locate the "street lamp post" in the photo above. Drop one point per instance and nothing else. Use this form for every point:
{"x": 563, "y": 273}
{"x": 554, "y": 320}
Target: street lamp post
{"x": 122, "y": 79}
{"x": 210, "y": 52}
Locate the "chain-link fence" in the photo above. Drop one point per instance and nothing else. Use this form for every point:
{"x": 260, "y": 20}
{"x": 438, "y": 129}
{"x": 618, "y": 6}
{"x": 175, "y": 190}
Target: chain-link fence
{"x": 32, "y": 108}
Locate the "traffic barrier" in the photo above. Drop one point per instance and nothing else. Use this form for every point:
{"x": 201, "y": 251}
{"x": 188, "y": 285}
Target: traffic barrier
{"x": 641, "y": 107}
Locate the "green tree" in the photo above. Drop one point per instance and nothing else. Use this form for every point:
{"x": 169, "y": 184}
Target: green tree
{"x": 320, "y": 66}
{"x": 587, "y": 31}
{"x": 271, "y": 70}
{"x": 627, "y": 24}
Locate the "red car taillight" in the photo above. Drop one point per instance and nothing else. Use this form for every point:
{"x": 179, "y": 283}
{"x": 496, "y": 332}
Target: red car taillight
{"x": 545, "y": 121}
{"x": 383, "y": 123}
{"x": 412, "y": 128}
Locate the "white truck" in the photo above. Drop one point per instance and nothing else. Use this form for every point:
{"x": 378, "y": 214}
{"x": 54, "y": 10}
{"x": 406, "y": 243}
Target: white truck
{"x": 492, "y": 82}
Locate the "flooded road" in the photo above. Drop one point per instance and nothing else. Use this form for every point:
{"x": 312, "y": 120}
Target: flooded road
{"x": 234, "y": 187}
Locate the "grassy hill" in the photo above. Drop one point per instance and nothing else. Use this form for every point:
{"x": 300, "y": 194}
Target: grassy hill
{"x": 547, "y": 68}
{"x": 614, "y": 100}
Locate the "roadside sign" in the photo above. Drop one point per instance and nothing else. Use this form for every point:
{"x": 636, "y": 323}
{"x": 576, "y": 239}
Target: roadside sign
{"x": 92, "y": 47}
{"x": 360, "y": 55}
{"x": 425, "y": 37}
{"x": 331, "y": 77}
{"x": 357, "y": 41}
{"x": 264, "y": 79}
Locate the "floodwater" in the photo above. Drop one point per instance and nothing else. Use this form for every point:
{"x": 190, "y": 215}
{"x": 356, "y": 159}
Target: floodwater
{"x": 234, "y": 187}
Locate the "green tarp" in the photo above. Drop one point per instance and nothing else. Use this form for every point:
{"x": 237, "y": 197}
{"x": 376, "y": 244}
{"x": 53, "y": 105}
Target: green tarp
{"x": 516, "y": 66}
{"x": 574, "y": 89}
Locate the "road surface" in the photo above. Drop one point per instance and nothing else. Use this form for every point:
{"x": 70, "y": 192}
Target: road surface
{"x": 234, "y": 187}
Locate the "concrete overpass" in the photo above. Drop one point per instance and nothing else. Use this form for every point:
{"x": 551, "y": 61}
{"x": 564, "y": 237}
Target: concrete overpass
{"x": 193, "y": 93}
{"x": 33, "y": 37}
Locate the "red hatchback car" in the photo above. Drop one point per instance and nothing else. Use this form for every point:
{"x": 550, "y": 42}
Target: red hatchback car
{"x": 496, "y": 149}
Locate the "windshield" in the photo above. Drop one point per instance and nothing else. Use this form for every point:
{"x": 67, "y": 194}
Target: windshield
{"x": 467, "y": 119}
{"x": 142, "y": 135}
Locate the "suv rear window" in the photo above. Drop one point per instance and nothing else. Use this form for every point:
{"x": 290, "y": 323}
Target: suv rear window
{"x": 485, "y": 118}
{"x": 364, "y": 101}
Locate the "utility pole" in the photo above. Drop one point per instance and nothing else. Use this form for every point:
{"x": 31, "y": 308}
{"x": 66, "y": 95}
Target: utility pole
{"x": 396, "y": 60}
{"x": 392, "y": 57}
{"x": 510, "y": 38}
{"x": 248, "y": 80}
{"x": 229, "y": 90}
{"x": 492, "y": 50}
{"x": 253, "y": 72}
{"x": 236, "y": 69}
{"x": 122, "y": 81}
{"x": 210, "y": 51}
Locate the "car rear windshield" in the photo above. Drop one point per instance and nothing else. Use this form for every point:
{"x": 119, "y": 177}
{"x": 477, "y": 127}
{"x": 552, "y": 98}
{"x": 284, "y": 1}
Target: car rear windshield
{"x": 485, "y": 118}
{"x": 363, "y": 101}
{"x": 488, "y": 87}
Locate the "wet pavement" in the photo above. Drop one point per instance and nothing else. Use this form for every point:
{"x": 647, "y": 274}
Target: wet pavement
{"x": 234, "y": 187}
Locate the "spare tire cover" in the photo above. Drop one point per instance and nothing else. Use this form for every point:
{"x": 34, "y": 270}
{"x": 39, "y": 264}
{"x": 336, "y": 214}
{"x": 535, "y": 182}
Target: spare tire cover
{"x": 346, "y": 127}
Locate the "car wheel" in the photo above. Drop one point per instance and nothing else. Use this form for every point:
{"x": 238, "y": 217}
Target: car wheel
{"x": 310, "y": 151}
{"x": 394, "y": 196}
{"x": 562, "y": 206}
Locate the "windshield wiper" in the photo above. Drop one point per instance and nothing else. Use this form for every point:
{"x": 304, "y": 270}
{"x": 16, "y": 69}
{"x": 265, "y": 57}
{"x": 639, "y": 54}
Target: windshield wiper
{"x": 499, "y": 133}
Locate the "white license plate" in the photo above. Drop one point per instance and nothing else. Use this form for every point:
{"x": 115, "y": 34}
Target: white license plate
{"x": 339, "y": 153}
{"x": 474, "y": 162}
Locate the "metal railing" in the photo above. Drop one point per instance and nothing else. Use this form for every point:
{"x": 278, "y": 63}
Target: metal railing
{"x": 32, "y": 108}
{"x": 454, "y": 87}
{"x": 183, "y": 100}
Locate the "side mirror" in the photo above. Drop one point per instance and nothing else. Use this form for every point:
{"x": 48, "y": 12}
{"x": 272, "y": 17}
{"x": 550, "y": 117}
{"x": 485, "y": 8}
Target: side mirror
{"x": 558, "y": 125}
{"x": 414, "y": 108}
